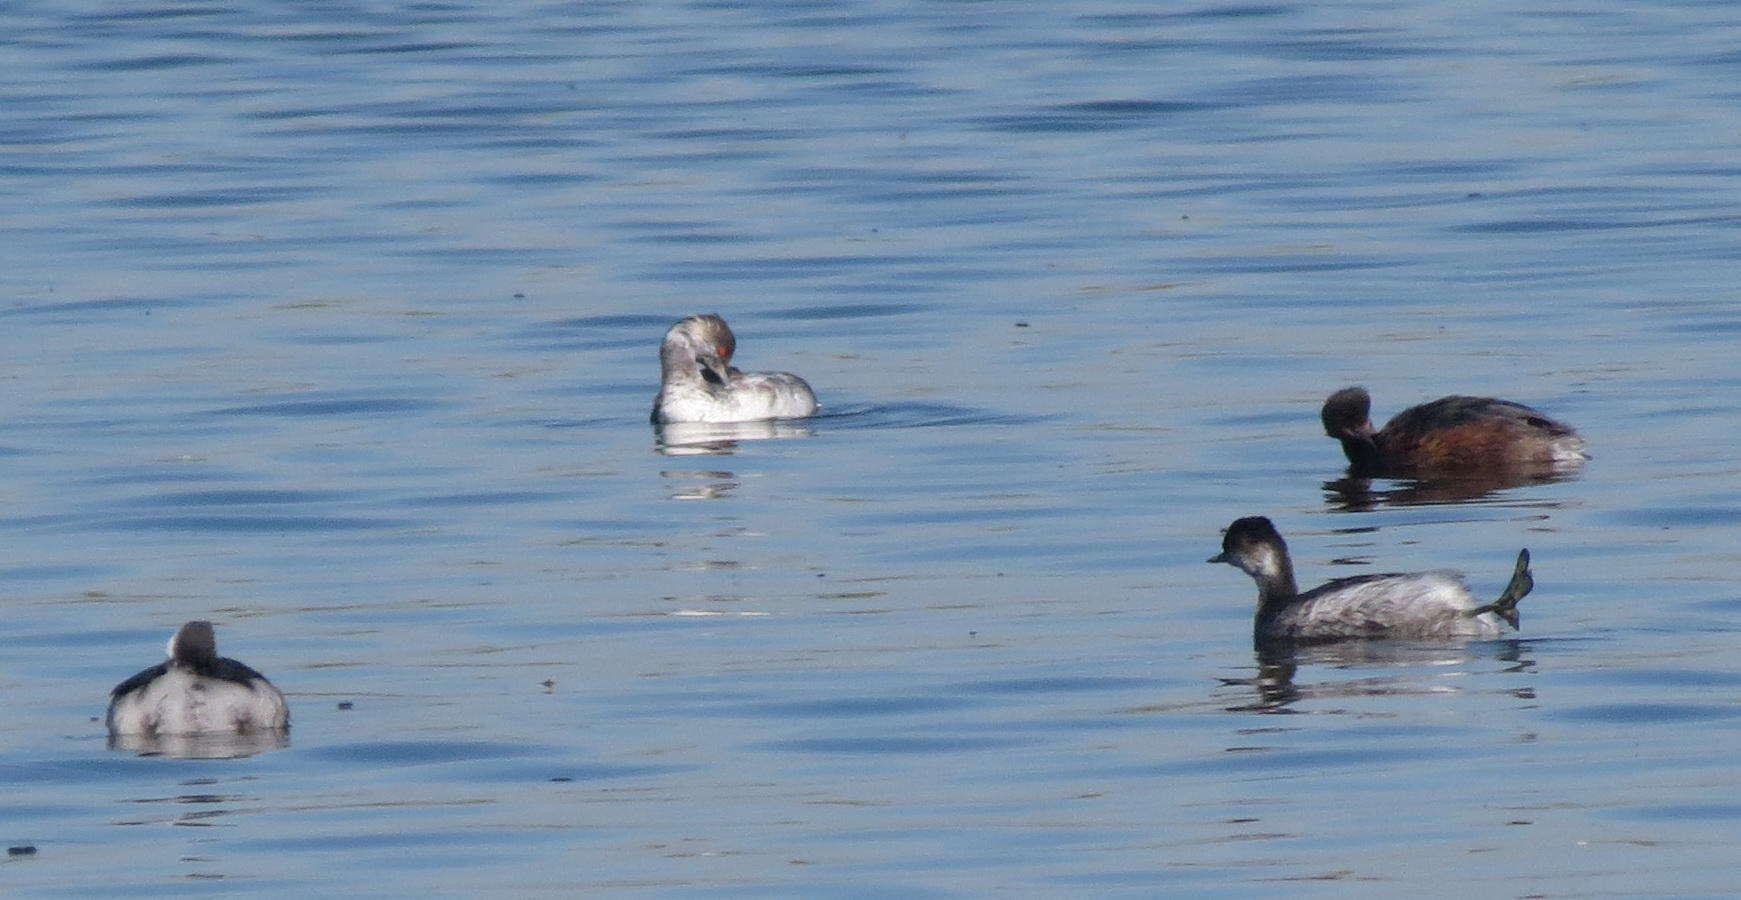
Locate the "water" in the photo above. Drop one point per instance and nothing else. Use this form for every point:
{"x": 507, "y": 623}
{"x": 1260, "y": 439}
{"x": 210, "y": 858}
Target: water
{"x": 336, "y": 324}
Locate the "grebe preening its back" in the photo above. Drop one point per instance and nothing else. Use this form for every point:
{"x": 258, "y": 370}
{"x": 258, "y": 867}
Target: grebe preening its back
{"x": 196, "y": 691}
{"x": 698, "y": 384}
{"x": 1418, "y": 605}
{"x": 1449, "y": 436}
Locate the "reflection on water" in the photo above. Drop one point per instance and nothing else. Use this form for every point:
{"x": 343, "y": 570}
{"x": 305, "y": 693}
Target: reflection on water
{"x": 216, "y": 805}
{"x": 720, "y": 438}
{"x": 1356, "y": 494}
{"x": 1422, "y": 669}
{"x": 713, "y": 485}
{"x": 203, "y": 746}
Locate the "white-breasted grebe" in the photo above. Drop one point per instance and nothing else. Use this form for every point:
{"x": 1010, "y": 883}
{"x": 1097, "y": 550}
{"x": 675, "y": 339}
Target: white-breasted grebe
{"x": 698, "y": 384}
{"x": 196, "y": 691}
{"x": 1416, "y": 605}
{"x": 1449, "y": 436}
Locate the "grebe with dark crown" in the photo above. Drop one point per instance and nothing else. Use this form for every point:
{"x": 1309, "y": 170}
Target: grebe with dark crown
{"x": 196, "y": 691}
{"x": 1418, "y": 605}
{"x": 698, "y": 384}
{"x": 1449, "y": 436}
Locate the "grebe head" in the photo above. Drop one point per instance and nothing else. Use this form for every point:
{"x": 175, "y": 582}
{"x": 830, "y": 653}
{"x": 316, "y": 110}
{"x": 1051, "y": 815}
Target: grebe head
{"x": 1348, "y": 413}
{"x": 1347, "y": 417}
{"x": 702, "y": 345}
{"x": 1253, "y": 545}
{"x": 194, "y": 644}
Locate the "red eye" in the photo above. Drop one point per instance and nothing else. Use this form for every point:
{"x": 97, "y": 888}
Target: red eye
{"x": 724, "y": 350}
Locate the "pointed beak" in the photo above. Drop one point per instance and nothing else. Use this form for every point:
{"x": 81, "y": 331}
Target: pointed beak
{"x": 1219, "y": 557}
{"x": 714, "y": 369}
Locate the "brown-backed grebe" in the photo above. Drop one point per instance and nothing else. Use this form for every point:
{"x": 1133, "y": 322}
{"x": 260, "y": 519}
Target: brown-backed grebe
{"x": 1449, "y": 436}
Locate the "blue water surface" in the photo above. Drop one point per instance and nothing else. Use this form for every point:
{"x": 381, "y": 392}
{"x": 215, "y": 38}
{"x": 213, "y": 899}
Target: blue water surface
{"x": 337, "y": 324}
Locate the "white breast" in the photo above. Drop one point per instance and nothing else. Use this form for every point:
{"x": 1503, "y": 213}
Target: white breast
{"x": 750, "y": 397}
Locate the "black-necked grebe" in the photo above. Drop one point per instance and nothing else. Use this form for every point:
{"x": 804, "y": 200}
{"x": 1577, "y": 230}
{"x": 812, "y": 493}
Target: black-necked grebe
{"x": 1449, "y": 436}
{"x": 196, "y": 691}
{"x": 698, "y": 384}
{"x": 1417, "y": 605}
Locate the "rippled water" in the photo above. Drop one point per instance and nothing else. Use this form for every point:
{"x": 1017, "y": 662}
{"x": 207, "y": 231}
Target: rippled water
{"x": 336, "y": 324}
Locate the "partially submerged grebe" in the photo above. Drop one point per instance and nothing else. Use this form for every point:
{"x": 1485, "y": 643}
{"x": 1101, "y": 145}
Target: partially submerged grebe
{"x": 1420, "y": 606}
{"x": 1449, "y": 436}
{"x": 196, "y": 691}
{"x": 698, "y": 384}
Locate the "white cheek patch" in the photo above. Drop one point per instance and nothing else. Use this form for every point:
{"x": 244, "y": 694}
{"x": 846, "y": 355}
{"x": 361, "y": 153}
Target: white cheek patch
{"x": 1265, "y": 560}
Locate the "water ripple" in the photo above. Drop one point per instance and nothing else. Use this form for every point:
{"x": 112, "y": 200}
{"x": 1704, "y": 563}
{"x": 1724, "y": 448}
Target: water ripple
{"x": 1645, "y": 713}
{"x": 250, "y": 524}
{"x": 879, "y": 746}
{"x": 300, "y": 408}
{"x": 418, "y": 753}
{"x": 916, "y": 415}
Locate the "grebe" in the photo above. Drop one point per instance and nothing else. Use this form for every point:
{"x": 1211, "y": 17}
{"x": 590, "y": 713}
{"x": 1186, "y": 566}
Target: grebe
{"x": 1449, "y": 436}
{"x": 196, "y": 691}
{"x": 1421, "y": 605}
{"x": 698, "y": 384}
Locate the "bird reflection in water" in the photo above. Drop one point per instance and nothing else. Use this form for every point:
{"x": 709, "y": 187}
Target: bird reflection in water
{"x": 1353, "y": 494}
{"x": 720, "y": 438}
{"x": 220, "y": 745}
{"x": 1274, "y": 689}
{"x": 715, "y": 485}
{"x": 191, "y": 810}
